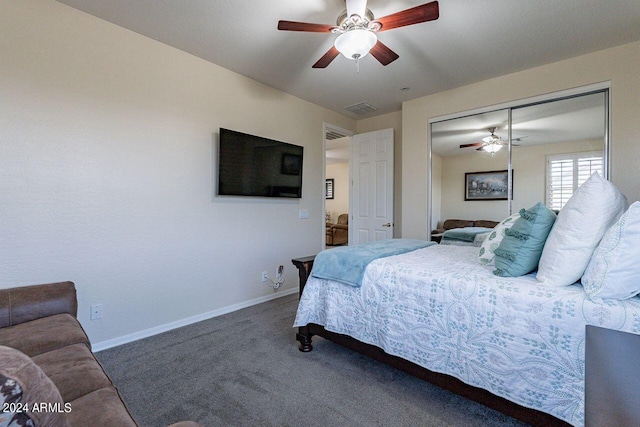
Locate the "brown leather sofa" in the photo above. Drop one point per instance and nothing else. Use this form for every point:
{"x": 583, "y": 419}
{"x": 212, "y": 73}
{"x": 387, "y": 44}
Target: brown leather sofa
{"x": 436, "y": 235}
{"x": 338, "y": 234}
{"x": 46, "y": 363}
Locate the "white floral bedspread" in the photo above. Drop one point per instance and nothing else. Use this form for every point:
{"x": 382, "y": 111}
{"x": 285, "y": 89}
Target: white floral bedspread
{"x": 440, "y": 309}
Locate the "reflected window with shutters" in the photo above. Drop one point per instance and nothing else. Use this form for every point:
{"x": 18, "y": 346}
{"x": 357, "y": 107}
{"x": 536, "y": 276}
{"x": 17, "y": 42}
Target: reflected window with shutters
{"x": 566, "y": 172}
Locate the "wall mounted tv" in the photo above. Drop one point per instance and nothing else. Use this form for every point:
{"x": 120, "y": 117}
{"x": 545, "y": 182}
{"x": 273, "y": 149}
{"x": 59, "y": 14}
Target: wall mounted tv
{"x": 250, "y": 165}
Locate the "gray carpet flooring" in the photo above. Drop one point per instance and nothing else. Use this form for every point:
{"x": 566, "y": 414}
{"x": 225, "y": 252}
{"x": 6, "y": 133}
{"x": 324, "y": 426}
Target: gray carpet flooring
{"x": 244, "y": 369}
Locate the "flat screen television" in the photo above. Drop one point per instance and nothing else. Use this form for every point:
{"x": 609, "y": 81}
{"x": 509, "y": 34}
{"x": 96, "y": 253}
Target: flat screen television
{"x": 250, "y": 165}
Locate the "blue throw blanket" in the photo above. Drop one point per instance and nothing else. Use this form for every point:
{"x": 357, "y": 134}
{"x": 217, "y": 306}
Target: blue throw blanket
{"x": 347, "y": 264}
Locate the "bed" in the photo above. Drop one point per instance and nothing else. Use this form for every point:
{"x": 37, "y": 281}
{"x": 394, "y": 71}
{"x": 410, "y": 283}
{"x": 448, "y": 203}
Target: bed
{"x": 435, "y": 312}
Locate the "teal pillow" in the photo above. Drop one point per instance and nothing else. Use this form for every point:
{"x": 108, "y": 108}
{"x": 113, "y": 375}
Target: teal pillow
{"x": 521, "y": 248}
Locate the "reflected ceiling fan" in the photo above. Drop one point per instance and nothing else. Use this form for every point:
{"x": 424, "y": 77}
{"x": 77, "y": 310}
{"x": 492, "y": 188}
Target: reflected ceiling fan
{"x": 492, "y": 143}
{"x": 357, "y": 30}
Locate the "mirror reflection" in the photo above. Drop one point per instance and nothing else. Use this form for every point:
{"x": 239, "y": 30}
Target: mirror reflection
{"x": 555, "y": 146}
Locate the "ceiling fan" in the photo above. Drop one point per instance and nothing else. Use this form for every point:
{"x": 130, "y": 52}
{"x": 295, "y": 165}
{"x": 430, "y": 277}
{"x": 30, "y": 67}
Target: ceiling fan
{"x": 491, "y": 143}
{"x": 357, "y": 30}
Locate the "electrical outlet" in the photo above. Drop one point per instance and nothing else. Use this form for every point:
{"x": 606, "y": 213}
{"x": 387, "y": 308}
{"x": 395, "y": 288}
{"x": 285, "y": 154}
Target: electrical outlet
{"x": 265, "y": 278}
{"x": 96, "y": 311}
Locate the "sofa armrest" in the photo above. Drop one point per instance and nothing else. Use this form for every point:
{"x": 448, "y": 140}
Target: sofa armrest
{"x": 340, "y": 227}
{"x": 22, "y": 304}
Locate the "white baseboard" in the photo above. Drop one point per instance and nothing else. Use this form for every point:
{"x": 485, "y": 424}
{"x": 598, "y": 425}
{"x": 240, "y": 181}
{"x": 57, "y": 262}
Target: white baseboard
{"x": 103, "y": 345}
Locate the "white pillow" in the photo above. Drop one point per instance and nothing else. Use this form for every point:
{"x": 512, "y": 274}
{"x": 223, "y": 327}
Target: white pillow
{"x": 614, "y": 269}
{"x": 594, "y": 207}
{"x": 491, "y": 243}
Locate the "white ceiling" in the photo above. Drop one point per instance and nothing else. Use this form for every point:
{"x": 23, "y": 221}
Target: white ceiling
{"x": 473, "y": 40}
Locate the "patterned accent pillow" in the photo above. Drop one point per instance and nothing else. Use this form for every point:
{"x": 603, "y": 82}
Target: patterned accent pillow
{"x": 520, "y": 250}
{"x": 12, "y": 414}
{"x": 36, "y": 388}
{"x": 491, "y": 243}
{"x": 614, "y": 268}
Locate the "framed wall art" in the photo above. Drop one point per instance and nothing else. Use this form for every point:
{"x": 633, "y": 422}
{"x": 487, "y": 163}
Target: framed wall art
{"x": 328, "y": 189}
{"x": 491, "y": 185}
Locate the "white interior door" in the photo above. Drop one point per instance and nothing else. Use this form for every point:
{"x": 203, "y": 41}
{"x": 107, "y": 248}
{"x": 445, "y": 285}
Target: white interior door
{"x": 372, "y": 187}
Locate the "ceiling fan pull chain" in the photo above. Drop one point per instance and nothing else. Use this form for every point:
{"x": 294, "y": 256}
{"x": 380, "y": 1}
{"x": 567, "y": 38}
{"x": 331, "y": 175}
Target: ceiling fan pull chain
{"x": 357, "y": 58}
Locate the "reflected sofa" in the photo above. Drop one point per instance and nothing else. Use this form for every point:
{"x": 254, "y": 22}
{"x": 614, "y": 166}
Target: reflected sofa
{"x": 450, "y": 224}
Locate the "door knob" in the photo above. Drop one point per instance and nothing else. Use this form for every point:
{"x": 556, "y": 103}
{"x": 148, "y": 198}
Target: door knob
{"x": 387, "y": 224}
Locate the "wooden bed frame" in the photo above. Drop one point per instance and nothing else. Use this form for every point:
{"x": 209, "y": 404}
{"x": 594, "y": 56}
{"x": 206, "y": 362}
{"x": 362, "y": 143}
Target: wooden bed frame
{"x": 305, "y": 334}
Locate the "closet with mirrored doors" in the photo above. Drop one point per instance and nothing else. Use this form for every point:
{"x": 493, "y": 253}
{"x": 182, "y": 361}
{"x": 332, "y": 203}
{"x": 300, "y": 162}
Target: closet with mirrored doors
{"x": 487, "y": 164}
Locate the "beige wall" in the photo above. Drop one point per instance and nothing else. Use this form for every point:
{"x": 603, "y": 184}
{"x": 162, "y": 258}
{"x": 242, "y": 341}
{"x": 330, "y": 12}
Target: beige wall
{"x": 452, "y": 178}
{"x": 107, "y": 142}
{"x": 619, "y": 66}
{"x": 340, "y": 202}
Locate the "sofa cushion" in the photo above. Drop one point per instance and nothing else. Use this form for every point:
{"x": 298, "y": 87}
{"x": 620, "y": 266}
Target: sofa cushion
{"x": 36, "y": 388}
{"x": 485, "y": 223}
{"x": 74, "y": 370}
{"x": 100, "y": 408}
{"x": 43, "y": 335}
{"x": 26, "y": 303}
{"x": 456, "y": 223}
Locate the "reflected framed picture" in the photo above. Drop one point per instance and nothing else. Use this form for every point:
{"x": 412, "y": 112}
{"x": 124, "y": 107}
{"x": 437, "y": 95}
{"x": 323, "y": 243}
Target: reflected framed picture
{"x": 291, "y": 164}
{"x": 490, "y": 185}
{"x": 328, "y": 188}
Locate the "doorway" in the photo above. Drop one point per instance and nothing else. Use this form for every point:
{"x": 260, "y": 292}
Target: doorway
{"x": 336, "y": 202}
{"x": 366, "y": 183}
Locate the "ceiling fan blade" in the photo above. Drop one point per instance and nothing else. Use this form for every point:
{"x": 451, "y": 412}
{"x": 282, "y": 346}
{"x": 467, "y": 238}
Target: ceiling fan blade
{"x": 327, "y": 58}
{"x": 475, "y": 144}
{"x": 415, "y": 15}
{"x": 383, "y": 54}
{"x": 304, "y": 26}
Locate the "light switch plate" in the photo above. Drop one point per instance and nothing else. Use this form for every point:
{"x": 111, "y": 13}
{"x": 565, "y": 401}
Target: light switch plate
{"x": 303, "y": 214}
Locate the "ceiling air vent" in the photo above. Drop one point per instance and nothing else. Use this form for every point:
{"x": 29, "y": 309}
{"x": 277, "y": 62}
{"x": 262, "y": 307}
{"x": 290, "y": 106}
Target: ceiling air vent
{"x": 361, "y": 108}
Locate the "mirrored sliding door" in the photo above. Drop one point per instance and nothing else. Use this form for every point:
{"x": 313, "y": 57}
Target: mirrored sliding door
{"x": 547, "y": 149}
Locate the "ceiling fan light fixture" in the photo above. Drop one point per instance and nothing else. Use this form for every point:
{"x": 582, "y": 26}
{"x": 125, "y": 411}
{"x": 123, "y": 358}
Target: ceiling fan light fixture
{"x": 355, "y": 44}
{"x": 492, "y": 148}
{"x": 490, "y": 139}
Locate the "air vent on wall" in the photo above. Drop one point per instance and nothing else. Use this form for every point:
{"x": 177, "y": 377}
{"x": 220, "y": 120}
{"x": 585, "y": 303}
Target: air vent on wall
{"x": 361, "y": 108}
{"x": 332, "y": 134}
